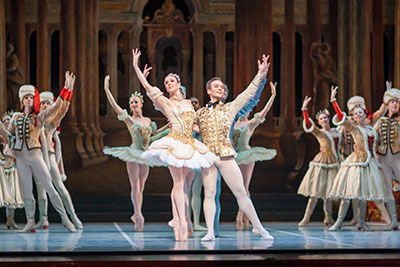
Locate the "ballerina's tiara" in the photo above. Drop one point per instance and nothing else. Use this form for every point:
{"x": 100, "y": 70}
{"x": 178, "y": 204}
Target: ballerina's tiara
{"x": 138, "y": 94}
{"x": 175, "y": 75}
{"x": 323, "y": 111}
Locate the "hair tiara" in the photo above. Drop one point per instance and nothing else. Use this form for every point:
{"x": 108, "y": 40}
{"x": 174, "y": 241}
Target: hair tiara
{"x": 175, "y": 75}
{"x": 138, "y": 94}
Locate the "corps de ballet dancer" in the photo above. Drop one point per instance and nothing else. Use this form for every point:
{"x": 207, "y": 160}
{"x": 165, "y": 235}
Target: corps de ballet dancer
{"x": 318, "y": 180}
{"x": 215, "y": 122}
{"x": 348, "y": 147}
{"x": 359, "y": 176}
{"x": 50, "y": 128}
{"x": 247, "y": 155}
{"x": 10, "y": 194}
{"x": 179, "y": 150}
{"x": 388, "y": 128}
{"x": 140, "y": 129}
{"x": 26, "y": 127}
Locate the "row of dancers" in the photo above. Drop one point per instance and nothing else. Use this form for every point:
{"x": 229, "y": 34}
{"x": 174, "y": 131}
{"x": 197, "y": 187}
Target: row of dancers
{"x": 31, "y": 148}
{"x": 370, "y": 145}
{"x": 173, "y": 145}
{"x": 201, "y": 146}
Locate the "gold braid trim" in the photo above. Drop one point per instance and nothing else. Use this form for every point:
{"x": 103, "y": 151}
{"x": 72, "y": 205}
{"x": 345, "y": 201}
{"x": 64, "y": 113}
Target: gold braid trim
{"x": 182, "y": 138}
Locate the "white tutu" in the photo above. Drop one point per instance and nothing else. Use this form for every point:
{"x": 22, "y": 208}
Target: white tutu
{"x": 178, "y": 151}
{"x": 254, "y": 154}
{"x": 126, "y": 153}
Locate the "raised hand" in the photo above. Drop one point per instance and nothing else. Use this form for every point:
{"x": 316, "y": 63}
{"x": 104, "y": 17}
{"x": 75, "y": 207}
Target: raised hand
{"x": 263, "y": 65}
{"x": 307, "y": 100}
{"x": 72, "y": 82}
{"x": 388, "y": 85}
{"x": 67, "y": 80}
{"x": 146, "y": 71}
{"x": 333, "y": 92}
{"x": 135, "y": 57}
{"x": 107, "y": 83}
{"x": 273, "y": 87}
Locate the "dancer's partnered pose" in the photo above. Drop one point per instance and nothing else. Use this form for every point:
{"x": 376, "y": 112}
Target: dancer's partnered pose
{"x": 179, "y": 150}
{"x": 215, "y": 122}
{"x": 359, "y": 175}
{"x": 348, "y": 148}
{"x": 50, "y": 127}
{"x": 26, "y": 128}
{"x": 389, "y": 147}
{"x": 11, "y": 195}
{"x": 140, "y": 129}
{"x": 247, "y": 155}
{"x": 319, "y": 178}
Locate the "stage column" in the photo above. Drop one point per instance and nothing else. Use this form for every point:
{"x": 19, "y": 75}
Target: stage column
{"x": 198, "y": 86}
{"x": 3, "y": 48}
{"x": 314, "y": 35}
{"x": 220, "y": 66}
{"x": 93, "y": 97}
{"x": 134, "y": 42}
{"x": 18, "y": 34}
{"x": 73, "y": 149}
{"x": 343, "y": 51}
{"x": 43, "y": 47}
{"x": 112, "y": 68}
{"x": 82, "y": 76}
{"x": 397, "y": 44}
{"x": 288, "y": 68}
{"x": 360, "y": 49}
{"x": 378, "y": 79}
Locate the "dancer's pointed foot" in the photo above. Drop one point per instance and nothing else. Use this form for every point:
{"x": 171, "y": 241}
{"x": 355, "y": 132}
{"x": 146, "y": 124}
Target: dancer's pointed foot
{"x": 246, "y": 222}
{"x": 138, "y": 220}
{"x": 264, "y": 233}
{"x": 199, "y": 228}
{"x": 208, "y": 237}
{"x": 239, "y": 221}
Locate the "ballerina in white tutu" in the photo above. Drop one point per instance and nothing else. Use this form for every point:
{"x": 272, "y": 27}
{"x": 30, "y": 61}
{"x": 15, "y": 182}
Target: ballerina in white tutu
{"x": 318, "y": 180}
{"x": 179, "y": 150}
{"x": 140, "y": 129}
{"x": 247, "y": 155}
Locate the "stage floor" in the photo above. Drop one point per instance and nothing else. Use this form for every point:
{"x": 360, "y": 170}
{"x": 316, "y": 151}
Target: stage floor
{"x": 158, "y": 239}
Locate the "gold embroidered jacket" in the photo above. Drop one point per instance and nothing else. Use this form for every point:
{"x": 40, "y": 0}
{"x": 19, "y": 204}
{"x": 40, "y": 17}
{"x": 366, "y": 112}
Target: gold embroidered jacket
{"x": 215, "y": 123}
{"x": 388, "y": 129}
{"x": 27, "y": 128}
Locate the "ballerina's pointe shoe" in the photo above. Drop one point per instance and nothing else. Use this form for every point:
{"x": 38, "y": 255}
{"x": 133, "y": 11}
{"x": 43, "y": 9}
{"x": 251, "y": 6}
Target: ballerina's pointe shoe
{"x": 208, "y": 237}
{"x": 246, "y": 222}
{"x": 138, "y": 220}
{"x": 239, "y": 221}
{"x": 183, "y": 230}
{"x": 264, "y": 233}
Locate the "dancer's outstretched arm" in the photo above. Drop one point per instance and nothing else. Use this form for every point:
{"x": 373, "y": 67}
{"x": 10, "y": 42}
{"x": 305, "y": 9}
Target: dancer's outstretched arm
{"x": 127, "y": 119}
{"x": 341, "y": 116}
{"x": 260, "y": 116}
{"x": 165, "y": 105}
